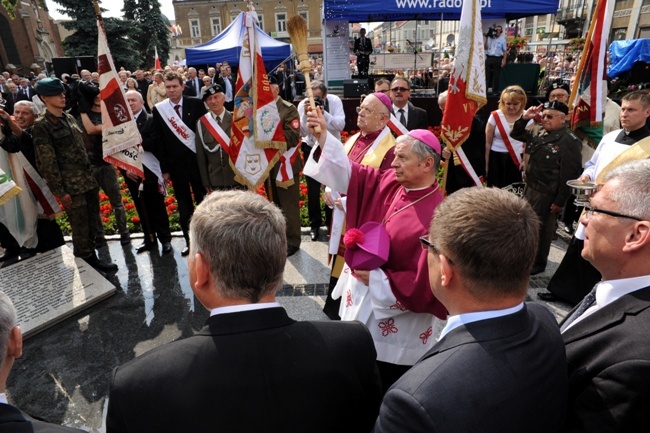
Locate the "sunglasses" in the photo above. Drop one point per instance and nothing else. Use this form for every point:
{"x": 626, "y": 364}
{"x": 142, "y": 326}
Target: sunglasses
{"x": 517, "y": 91}
{"x": 550, "y": 116}
{"x": 400, "y": 89}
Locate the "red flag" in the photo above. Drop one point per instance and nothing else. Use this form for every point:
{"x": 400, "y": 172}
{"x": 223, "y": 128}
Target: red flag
{"x": 257, "y": 139}
{"x": 587, "y": 115}
{"x": 466, "y": 91}
{"x": 157, "y": 60}
{"x": 120, "y": 136}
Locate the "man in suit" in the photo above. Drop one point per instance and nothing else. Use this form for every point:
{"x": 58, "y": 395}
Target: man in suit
{"x": 298, "y": 376}
{"x": 143, "y": 85}
{"x": 13, "y": 419}
{"x": 362, "y": 49}
{"x": 408, "y": 114}
{"x": 25, "y": 91}
{"x": 212, "y": 133}
{"x": 227, "y": 83}
{"x": 606, "y": 336}
{"x": 174, "y": 134}
{"x": 193, "y": 84}
{"x": 499, "y": 365}
{"x": 150, "y": 201}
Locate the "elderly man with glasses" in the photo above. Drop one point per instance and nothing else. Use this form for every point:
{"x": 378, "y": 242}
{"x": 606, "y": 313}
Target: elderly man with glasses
{"x": 554, "y": 159}
{"x": 606, "y": 336}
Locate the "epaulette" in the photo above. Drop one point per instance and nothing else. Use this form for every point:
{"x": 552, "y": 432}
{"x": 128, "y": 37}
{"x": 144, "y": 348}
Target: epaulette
{"x": 287, "y": 103}
{"x": 573, "y": 135}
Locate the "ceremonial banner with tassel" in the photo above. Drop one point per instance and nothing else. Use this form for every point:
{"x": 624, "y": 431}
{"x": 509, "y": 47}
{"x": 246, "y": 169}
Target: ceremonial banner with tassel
{"x": 591, "y": 85}
{"x": 466, "y": 91}
{"x": 120, "y": 136}
{"x": 257, "y": 138}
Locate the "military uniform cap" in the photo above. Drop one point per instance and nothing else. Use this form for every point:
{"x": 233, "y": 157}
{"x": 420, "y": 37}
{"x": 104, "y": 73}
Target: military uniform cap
{"x": 557, "y": 85}
{"x": 210, "y": 90}
{"x": 557, "y": 106}
{"x": 49, "y": 87}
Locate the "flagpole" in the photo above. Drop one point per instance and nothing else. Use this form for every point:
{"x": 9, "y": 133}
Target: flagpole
{"x": 583, "y": 56}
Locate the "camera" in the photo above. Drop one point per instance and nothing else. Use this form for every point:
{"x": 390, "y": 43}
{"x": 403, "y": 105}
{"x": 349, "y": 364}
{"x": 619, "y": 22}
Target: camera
{"x": 492, "y": 32}
{"x": 318, "y": 101}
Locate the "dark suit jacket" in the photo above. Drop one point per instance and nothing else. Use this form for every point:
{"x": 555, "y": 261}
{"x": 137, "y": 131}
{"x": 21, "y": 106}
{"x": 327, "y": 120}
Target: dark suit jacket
{"x": 506, "y": 374}
{"x": 474, "y": 148}
{"x": 22, "y": 97}
{"x": 145, "y": 124}
{"x": 417, "y": 118}
{"x": 221, "y": 81}
{"x": 366, "y": 48}
{"x": 253, "y": 371}
{"x": 190, "y": 90}
{"x": 12, "y": 420}
{"x": 170, "y": 149}
{"x": 609, "y": 367}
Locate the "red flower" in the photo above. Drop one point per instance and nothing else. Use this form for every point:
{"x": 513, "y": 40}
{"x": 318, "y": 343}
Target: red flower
{"x": 129, "y": 206}
{"x": 106, "y": 212}
{"x": 135, "y": 219}
{"x": 102, "y": 196}
{"x": 172, "y": 207}
{"x": 125, "y": 199}
{"x": 106, "y": 220}
{"x": 301, "y": 203}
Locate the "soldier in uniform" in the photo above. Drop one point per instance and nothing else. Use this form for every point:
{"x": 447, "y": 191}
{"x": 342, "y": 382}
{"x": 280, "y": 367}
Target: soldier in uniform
{"x": 287, "y": 197}
{"x": 62, "y": 160}
{"x": 554, "y": 158}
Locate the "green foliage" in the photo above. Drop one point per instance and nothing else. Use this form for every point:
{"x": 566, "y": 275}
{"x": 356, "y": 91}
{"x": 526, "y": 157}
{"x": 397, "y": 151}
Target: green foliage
{"x": 153, "y": 29}
{"x": 10, "y": 5}
{"x": 122, "y": 35}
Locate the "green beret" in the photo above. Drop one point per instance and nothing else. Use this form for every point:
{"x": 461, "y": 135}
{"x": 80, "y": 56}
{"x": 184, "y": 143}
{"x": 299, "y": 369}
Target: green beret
{"x": 49, "y": 87}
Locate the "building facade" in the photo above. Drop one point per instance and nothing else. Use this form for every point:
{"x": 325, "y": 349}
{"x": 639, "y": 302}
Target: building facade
{"x": 29, "y": 40}
{"x": 202, "y": 20}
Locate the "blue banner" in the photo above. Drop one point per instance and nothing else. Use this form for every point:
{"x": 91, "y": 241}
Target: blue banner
{"x": 397, "y": 10}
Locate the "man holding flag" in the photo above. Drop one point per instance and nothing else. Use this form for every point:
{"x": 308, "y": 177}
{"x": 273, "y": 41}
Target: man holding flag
{"x": 466, "y": 91}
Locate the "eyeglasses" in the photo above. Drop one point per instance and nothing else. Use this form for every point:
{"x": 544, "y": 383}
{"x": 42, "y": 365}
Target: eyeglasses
{"x": 370, "y": 112}
{"x": 589, "y": 212}
{"x": 517, "y": 91}
{"x": 557, "y": 96}
{"x": 400, "y": 89}
{"x": 550, "y": 116}
{"x": 425, "y": 244}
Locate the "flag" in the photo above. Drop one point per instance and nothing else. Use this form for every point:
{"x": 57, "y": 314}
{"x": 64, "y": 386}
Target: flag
{"x": 120, "y": 136}
{"x": 257, "y": 140}
{"x": 587, "y": 116}
{"x": 466, "y": 91}
{"x": 156, "y": 59}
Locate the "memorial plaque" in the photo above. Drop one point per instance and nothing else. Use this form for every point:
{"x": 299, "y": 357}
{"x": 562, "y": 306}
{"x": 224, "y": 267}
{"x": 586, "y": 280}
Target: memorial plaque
{"x": 51, "y": 287}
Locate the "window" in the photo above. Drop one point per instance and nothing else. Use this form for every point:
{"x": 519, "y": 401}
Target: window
{"x": 280, "y": 23}
{"x": 216, "y": 26}
{"x": 260, "y": 18}
{"x": 195, "y": 29}
{"x": 305, "y": 15}
{"x": 644, "y": 33}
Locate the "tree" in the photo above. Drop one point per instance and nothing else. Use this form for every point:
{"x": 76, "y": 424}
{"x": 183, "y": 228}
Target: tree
{"x": 153, "y": 29}
{"x": 121, "y": 34}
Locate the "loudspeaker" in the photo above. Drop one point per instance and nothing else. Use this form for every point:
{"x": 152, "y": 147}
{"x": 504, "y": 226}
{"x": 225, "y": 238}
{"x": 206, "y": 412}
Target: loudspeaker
{"x": 73, "y": 65}
{"x": 355, "y": 88}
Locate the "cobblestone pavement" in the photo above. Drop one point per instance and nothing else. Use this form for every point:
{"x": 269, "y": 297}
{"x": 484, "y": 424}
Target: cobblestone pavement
{"x": 64, "y": 372}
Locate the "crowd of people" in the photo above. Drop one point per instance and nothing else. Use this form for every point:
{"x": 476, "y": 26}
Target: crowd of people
{"x": 428, "y": 278}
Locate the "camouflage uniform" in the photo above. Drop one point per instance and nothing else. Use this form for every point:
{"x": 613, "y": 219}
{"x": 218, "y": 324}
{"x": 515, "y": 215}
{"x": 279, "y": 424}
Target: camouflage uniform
{"x": 63, "y": 162}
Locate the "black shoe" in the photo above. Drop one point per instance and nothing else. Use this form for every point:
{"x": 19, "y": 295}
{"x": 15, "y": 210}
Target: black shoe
{"x": 9, "y": 254}
{"x": 536, "y": 270}
{"x": 185, "y": 252}
{"x": 314, "y": 235}
{"x": 146, "y": 246}
{"x": 100, "y": 265}
{"x": 547, "y": 296}
{"x": 166, "y": 247}
{"x": 10, "y": 261}
{"x": 125, "y": 238}
{"x": 292, "y": 250}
